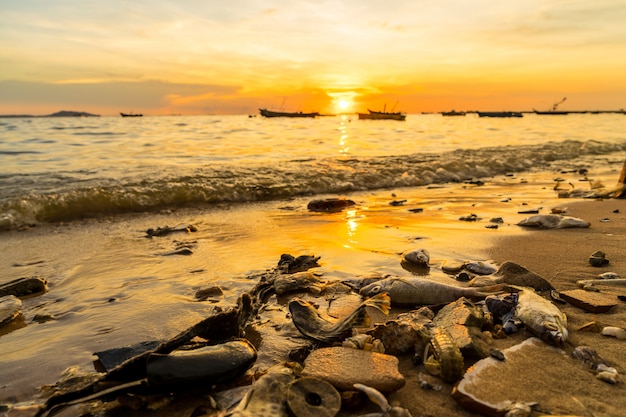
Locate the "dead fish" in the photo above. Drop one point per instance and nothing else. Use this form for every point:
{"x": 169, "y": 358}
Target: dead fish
{"x": 417, "y": 291}
{"x": 310, "y": 323}
{"x": 300, "y": 281}
{"x": 553, "y": 221}
{"x": 540, "y": 316}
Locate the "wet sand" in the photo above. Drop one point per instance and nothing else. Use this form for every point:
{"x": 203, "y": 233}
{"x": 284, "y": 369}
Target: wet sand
{"x": 110, "y": 287}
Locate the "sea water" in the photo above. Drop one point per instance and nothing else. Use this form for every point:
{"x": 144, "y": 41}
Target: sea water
{"x": 77, "y": 196}
{"x": 58, "y": 169}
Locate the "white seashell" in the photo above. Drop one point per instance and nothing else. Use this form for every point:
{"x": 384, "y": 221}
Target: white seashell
{"x": 615, "y": 332}
{"x": 610, "y": 377}
{"x": 605, "y": 368}
{"x": 552, "y": 221}
{"x": 609, "y": 275}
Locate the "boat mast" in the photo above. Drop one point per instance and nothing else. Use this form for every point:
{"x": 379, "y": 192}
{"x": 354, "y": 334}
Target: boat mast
{"x": 555, "y": 105}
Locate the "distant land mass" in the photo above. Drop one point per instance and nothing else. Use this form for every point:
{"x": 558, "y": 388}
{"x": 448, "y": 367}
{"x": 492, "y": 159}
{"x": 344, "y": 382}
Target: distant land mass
{"x": 62, "y": 113}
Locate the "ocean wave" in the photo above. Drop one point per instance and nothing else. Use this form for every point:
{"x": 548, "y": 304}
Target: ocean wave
{"x": 66, "y": 198}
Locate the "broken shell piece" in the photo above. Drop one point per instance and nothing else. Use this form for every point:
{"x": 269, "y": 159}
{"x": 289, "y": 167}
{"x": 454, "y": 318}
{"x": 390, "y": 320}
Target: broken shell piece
{"x": 607, "y": 374}
{"x": 616, "y": 332}
{"x": 608, "y": 275}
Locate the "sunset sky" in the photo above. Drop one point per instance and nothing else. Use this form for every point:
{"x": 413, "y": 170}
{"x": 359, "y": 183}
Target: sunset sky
{"x": 232, "y": 57}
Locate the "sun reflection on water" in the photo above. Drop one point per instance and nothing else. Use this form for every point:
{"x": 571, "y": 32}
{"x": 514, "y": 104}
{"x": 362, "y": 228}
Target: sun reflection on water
{"x": 344, "y": 147}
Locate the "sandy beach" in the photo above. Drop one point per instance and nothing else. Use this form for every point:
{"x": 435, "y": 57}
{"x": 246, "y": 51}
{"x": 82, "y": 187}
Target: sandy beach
{"x": 369, "y": 240}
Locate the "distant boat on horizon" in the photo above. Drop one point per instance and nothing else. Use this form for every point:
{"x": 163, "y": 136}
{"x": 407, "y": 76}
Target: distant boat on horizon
{"x": 271, "y": 113}
{"x": 500, "y": 114}
{"x": 382, "y": 115}
{"x": 131, "y": 114}
{"x": 453, "y": 113}
{"x": 553, "y": 110}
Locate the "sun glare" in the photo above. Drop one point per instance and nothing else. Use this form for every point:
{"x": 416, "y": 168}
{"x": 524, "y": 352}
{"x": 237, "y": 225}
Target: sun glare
{"x": 343, "y": 104}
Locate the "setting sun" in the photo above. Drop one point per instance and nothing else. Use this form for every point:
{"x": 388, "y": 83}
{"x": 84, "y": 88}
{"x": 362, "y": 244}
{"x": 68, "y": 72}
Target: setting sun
{"x": 343, "y": 104}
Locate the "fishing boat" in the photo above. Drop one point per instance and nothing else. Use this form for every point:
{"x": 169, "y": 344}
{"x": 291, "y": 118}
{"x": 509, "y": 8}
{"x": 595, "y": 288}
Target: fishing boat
{"x": 271, "y": 113}
{"x": 131, "y": 114}
{"x": 500, "y": 114}
{"x": 453, "y": 113}
{"x": 553, "y": 110}
{"x": 381, "y": 115}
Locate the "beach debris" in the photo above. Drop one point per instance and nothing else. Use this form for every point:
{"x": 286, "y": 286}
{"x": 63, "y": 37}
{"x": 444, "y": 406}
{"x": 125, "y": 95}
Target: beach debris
{"x": 408, "y": 333}
{"x": 480, "y": 267}
{"x": 330, "y": 205}
{"x": 446, "y": 359}
{"x": 167, "y": 230}
{"x": 313, "y": 397}
{"x": 414, "y": 291}
{"x": 380, "y": 400}
{"x": 10, "y": 308}
{"x": 344, "y": 367}
{"x": 365, "y": 342}
{"x": 529, "y": 211}
{"x": 209, "y": 364}
{"x": 299, "y": 281}
{"x": 452, "y": 268}
{"x": 359, "y": 282}
{"x": 607, "y": 374}
{"x": 541, "y": 316}
{"x": 586, "y": 283}
{"x": 427, "y": 382}
{"x": 396, "y": 203}
{"x": 598, "y": 258}
{"x": 179, "y": 369}
{"x": 311, "y": 324}
{"x": 553, "y": 221}
{"x": 418, "y": 257}
{"x": 593, "y": 302}
{"x": 513, "y": 274}
{"x": 463, "y": 276}
{"x": 470, "y": 218}
{"x": 289, "y": 264}
{"x": 131, "y": 373}
{"x": 24, "y": 287}
{"x": 608, "y": 275}
{"x": 212, "y": 291}
{"x": 616, "y": 332}
{"x": 463, "y": 322}
{"x": 503, "y": 307}
{"x": 588, "y": 357}
{"x": 267, "y": 397}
